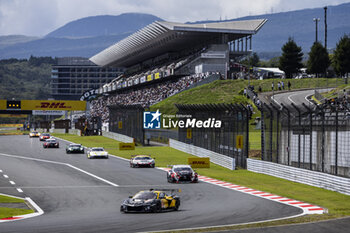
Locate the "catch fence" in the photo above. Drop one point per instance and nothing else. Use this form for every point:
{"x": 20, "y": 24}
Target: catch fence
{"x": 231, "y": 139}
{"x": 314, "y": 138}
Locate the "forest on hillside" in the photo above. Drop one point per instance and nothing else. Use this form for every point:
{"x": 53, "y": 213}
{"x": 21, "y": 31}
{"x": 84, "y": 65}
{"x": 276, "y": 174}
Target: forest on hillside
{"x": 25, "y": 78}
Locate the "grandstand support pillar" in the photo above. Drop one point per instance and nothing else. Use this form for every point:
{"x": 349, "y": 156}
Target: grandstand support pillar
{"x": 250, "y": 42}
{"x": 246, "y": 44}
{"x": 242, "y": 45}
{"x": 234, "y": 46}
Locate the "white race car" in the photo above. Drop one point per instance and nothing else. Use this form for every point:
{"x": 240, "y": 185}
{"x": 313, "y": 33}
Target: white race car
{"x": 97, "y": 152}
{"x": 142, "y": 161}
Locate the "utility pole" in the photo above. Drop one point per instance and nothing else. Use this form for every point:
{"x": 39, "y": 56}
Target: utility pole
{"x": 325, "y": 27}
{"x": 316, "y": 22}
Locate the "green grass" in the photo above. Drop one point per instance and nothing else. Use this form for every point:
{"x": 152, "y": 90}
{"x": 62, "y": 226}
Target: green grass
{"x": 6, "y": 199}
{"x": 229, "y": 91}
{"x": 10, "y": 212}
{"x": 337, "y": 204}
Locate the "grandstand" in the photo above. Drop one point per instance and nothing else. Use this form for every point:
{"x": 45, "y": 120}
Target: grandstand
{"x": 165, "y": 58}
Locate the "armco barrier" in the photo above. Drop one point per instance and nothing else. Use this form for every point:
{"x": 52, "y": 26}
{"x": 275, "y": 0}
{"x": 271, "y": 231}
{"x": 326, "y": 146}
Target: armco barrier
{"x": 219, "y": 159}
{"x": 118, "y": 137}
{"x": 75, "y": 131}
{"x": 317, "y": 179}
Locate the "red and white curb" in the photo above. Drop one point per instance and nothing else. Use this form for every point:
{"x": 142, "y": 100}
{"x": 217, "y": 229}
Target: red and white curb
{"x": 38, "y": 210}
{"x": 306, "y": 207}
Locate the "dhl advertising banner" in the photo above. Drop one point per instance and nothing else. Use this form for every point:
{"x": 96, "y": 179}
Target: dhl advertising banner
{"x": 3, "y": 104}
{"x": 196, "y": 162}
{"x": 63, "y": 105}
{"x": 13, "y": 116}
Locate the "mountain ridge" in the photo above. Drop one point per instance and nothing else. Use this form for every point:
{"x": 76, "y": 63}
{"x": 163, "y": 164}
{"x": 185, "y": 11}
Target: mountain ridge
{"x": 85, "y": 37}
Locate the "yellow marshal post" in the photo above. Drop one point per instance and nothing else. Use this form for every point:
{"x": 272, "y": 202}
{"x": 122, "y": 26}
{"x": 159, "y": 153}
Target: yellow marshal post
{"x": 239, "y": 141}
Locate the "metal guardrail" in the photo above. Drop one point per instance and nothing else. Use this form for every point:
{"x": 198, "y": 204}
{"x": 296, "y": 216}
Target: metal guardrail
{"x": 219, "y": 159}
{"x": 313, "y": 178}
{"x": 118, "y": 137}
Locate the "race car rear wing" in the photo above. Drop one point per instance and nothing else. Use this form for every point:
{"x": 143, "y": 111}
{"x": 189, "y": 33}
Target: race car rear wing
{"x": 167, "y": 190}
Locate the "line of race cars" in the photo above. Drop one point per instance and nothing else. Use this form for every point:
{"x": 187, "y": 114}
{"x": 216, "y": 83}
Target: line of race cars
{"x": 143, "y": 201}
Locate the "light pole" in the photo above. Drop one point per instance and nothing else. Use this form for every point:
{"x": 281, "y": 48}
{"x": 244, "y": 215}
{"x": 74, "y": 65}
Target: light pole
{"x": 325, "y": 27}
{"x": 316, "y": 20}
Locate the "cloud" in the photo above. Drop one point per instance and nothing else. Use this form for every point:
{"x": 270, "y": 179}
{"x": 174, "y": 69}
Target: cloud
{"x": 39, "y": 17}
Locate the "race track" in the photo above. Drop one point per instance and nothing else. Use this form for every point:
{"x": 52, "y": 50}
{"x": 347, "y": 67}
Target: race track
{"x": 81, "y": 195}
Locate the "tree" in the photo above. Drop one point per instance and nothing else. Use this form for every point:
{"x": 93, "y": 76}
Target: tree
{"x": 290, "y": 61}
{"x": 341, "y": 57}
{"x": 318, "y": 59}
{"x": 251, "y": 61}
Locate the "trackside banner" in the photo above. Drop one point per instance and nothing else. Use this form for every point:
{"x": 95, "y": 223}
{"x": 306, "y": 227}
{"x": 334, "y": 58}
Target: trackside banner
{"x": 196, "y": 162}
{"x": 3, "y": 104}
{"x": 63, "y": 105}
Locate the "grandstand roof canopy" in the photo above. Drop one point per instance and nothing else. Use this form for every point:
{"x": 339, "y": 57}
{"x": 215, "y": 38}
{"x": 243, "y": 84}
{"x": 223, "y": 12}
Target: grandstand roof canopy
{"x": 165, "y": 37}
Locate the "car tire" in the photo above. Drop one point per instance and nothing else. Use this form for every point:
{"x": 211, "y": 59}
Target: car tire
{"x": 177, "y": 205}
{"x": 157, "y": 208}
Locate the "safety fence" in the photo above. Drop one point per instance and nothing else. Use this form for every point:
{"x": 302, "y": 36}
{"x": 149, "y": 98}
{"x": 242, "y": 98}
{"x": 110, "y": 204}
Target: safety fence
{"x": 127, "y": 120}
{"x": 315, "y": 138}
{"x": 219, "y": 159}
{"x": 230, "y": 139}
{"x": 317, "y": 179}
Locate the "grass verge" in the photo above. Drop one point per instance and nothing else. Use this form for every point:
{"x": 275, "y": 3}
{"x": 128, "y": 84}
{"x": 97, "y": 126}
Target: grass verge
{"x": 10, "y": 212}
{"x": 338, "y": 205}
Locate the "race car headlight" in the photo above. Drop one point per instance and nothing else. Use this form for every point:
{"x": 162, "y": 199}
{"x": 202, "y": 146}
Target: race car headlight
{"x": 81, "y": 148}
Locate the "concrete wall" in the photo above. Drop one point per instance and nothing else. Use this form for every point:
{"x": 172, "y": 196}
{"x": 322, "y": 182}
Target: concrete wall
{"x": 219, "y": 159}
{"x": 317, "y": 179}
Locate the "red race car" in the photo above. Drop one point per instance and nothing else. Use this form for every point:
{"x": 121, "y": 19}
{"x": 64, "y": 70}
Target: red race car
{"x": 44, "y": 136}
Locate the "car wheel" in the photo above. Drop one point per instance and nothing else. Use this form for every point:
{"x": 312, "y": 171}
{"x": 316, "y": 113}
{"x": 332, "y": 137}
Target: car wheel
{"x": 157, "y": 208}
{"x": 177, "y": 205}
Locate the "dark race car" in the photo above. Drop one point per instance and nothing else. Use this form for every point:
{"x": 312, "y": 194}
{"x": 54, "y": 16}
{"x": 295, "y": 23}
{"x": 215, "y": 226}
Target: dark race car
{"x": 74, "y": 148}
{"x": 151, "y": 201}
{"x": 44, "y": 136}
{"x": 142, "y": 161}
{"x": 182, "y": 173}
{"x": 51, "y": 143}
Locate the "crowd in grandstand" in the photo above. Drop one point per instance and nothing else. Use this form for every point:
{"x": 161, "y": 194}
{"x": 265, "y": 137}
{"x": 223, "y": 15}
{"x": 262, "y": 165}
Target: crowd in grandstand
{"x": 146, "y": 96}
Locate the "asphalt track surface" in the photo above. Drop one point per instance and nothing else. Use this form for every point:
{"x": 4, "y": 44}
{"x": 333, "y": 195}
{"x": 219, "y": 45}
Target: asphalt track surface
{"x": 297, "y": 97}
{"x": 76, "y": 201}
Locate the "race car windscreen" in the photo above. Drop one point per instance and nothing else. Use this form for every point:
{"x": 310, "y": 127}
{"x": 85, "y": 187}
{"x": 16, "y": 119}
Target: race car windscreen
{"x": 182, "y": 169}
{"x": 142, "y": 158}
{"x": 145, "y": 195}
{"x": 97, "y": 149}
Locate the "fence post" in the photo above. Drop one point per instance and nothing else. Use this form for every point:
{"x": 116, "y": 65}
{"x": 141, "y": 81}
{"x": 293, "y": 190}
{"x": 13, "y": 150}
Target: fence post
{"x": 271, "y": 130}
{"x": 288, "y": 143}
{"x": 299, "y": 149}
{"x": 310, "y": 114}
{"x": 262, "y": 132}
{"x": 277, "y": 131}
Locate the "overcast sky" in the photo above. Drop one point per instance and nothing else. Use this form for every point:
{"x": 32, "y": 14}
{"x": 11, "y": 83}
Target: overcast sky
{"x": 39, "y": 17}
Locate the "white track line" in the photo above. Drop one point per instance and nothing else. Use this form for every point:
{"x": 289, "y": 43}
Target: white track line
{"x": 290, "y": 99}
{"x": 19, "y": 190}
{"x": 0, "y": 171}
{"x": 12, "y": 182}
{"x": 6, "y": 176}
{"x": 66, "y": 164}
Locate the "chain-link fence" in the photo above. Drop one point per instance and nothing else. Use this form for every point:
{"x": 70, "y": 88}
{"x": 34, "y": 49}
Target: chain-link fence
{"x": 314, "y": 138}
{"x": 230, "y": 139}
{"x": 127, "y": 120}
